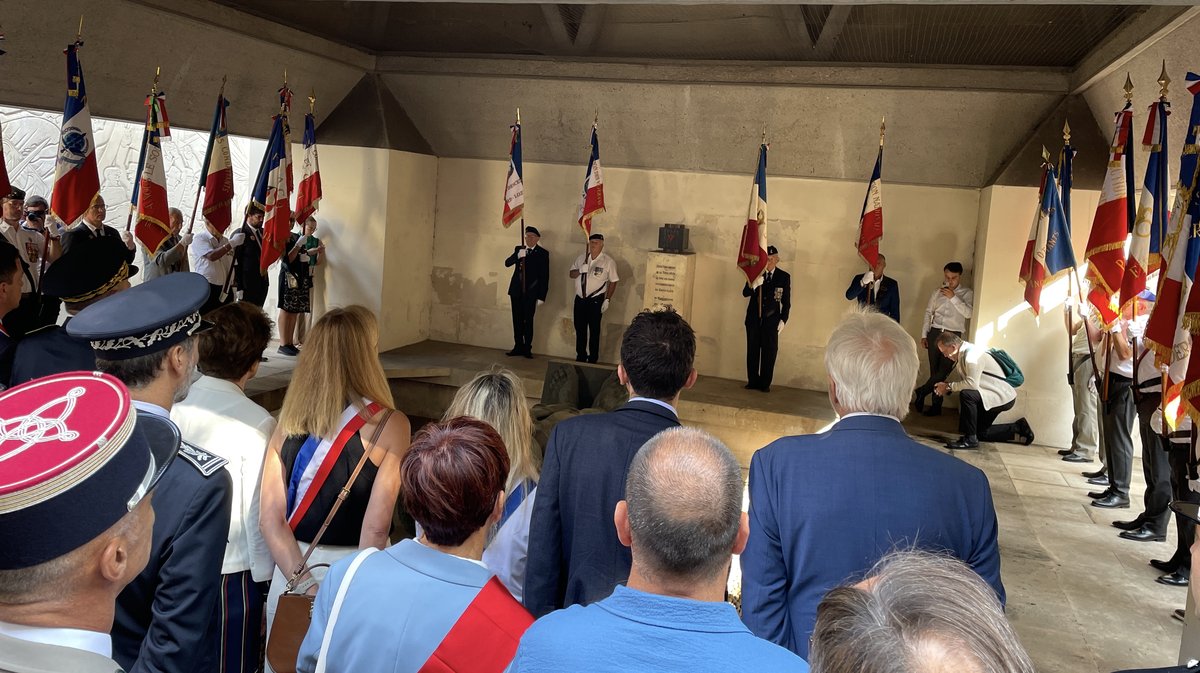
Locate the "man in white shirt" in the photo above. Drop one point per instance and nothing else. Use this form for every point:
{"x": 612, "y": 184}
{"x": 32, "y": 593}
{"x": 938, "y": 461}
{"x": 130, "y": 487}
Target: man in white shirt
{"x": 212, "y": 257}
{"x": 948, "y": 311}
{"x": 218, "y": 417}
{"x": 76, "y": 518}
{"x": 984, "y": 394}
{"x": 1085, "y": 428}
{"x": 596, "y": 281}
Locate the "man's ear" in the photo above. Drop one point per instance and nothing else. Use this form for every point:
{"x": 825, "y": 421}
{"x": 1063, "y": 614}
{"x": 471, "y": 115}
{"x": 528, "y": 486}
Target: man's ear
{"x": 621, "y": 519}
{"x": 622, "y": 376}
{"x": 691, "y": 379}
{"x": 743, "y": 534}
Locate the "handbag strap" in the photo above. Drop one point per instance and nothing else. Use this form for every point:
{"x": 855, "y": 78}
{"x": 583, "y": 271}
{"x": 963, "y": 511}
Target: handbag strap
{"x": 322, "y": 658}
{"x": 342, "y": 495}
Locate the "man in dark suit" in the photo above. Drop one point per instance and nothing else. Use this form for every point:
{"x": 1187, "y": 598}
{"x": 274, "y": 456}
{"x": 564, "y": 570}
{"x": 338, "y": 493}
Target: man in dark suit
{"x": 766, "y": 314}
{"x": 92, "y": 227}
{"x": 246, "y": 258}
{"x": 813, "y": 525}
{"x": 527, "y": 288}
{"x": 876, "y": 290}
{"x": 145, "y": 338}
{"x": 575, "y": 556}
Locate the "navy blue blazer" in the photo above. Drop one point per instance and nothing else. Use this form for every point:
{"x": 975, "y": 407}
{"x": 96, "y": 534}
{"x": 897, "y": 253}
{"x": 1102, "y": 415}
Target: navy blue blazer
{"x": 47, "y": 351}
{"x": 886, "y": 301}
{"x": 824, "y": 508}
{"x": 574, "y": 554}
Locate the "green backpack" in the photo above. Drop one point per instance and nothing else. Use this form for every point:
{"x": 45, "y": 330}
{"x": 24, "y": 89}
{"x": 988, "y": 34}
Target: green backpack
{"x": 1012, "y": 373}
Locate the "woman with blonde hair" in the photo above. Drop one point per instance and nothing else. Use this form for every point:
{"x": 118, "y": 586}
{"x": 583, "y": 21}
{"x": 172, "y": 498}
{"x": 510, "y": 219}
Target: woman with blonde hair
{"x": 497, "y": 397}
{"x": 338, "y": 420}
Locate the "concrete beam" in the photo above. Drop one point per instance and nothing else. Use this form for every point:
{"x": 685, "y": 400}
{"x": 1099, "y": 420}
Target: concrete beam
{"x": 558, "y": 27}
{"x": 1125, "y": 43}
{"x": 830, "y": 32}
{"x": 1030, "y": 80}
{"x": 1175, "y": 3}
{"x": 589, "y": 28}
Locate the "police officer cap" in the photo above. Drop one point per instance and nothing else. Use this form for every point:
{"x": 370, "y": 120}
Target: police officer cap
{"x": 77, "y": 458}
{"x": 146, "y": 319}
{"x": 15, "y": 193}
{"x": 596, "y": 237}
{"x": 534, "y": 231}
{"x": 772, "y": 250}
{"x": 92, "y": 268}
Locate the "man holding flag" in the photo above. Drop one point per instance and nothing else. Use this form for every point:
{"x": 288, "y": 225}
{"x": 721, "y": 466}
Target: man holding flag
{"x": 768, "y": 287}
{"x": 527, "y": 289}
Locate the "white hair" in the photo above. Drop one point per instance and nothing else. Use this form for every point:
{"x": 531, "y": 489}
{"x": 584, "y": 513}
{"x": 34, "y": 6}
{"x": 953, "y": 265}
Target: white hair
{"x": 873, "y": 362}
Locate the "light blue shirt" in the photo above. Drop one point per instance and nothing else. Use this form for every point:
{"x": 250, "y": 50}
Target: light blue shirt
{"x": 660, "y": 403}
{"x": 633, "y": 630}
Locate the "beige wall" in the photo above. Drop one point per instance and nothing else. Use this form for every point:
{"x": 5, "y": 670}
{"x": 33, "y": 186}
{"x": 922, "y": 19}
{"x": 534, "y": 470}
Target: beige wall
{"x": 1003, "y": 319}
{"x": 813, "y": 222}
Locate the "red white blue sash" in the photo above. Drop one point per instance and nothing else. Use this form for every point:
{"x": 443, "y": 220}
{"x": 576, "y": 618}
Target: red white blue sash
{"x": 313, "y": 468}
{"x": 485, "y": 637}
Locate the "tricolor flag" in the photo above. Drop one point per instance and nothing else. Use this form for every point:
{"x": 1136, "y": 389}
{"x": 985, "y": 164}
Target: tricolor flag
{"x": 752, "y": 252}
{"x": 870, "y": 222}
{"x": 271, "y": 194}
{"x": 1151, "y": 219}
{"x": 308, "y": 196}
{"x": 5, "y": 185}
{"x": 1110, "y": 227}
{"x": 216, "y": 178}
{"x": 1048, "y": 251}
{"x": 153, "y": 225}
{"x": 514, "y": 184}
{"x": 76, "y": 180}
{"x": 592, "y": 200}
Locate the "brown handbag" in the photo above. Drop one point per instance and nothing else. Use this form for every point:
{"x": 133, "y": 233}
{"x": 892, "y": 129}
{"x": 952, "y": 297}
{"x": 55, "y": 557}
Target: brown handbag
{"x": 293, "y": 613}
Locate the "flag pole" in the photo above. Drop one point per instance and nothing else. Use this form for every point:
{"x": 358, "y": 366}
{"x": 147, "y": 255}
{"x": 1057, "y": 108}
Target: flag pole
{"x": 761, "y": 224}
{"x": 1109, "y": 349}
{"x": 145, "y": 139}
{"x": 1163, "y": 81}
{"x": 521, "y": 229}
{"x": 196, "y": 205}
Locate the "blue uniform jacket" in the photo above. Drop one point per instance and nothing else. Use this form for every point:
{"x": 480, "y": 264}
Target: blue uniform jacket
{"x": 887, "y": 300}
{"x": 824, "y": 508}
{"x": 50, "y": 351}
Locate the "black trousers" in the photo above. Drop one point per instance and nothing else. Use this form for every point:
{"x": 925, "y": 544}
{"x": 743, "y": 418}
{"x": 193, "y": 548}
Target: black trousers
{"x": 1119, "y": 415}
{"x": 214, "y": 299}
{"x": 523, "y": 308}
{"x": 256, "y": 294}
{"x": 762, "y": 345}
{"x": 1156, "y": 467}
{"x": 1177, "y": 456}
{"x": 975, "y": 421}
{"x": 587, "y": 327}
{"x": 940, "y": 367}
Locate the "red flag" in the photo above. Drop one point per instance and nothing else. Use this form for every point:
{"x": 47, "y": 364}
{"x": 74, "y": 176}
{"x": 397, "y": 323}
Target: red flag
{"x": 308, "y": 196}
{"x": 752, "y": 251}
{"x": 153, "y": 226}
{"x": 76, "y": 180}
{"x": 592, "y": 200}
{"x": 217, "y": 175}
{"x": 1106, "y": 243}
{"x": 870, "y": 222}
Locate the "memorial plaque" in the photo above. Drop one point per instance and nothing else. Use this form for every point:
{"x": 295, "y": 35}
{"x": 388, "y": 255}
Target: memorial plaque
{"x": 669, "y": 281}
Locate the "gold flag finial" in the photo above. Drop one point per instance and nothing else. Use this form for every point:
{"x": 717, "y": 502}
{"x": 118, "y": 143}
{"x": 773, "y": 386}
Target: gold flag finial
{"x": 1128, "y": 88}
{"x": 1066, "y": 132}
{"x": 79, "y": 33}
{"x": 154, "y": 86}
{"x": 764, "y": 135}
{"x": 312, "y": 101}
{"x": 1163, "y": 80}
{"x": 882, "y": 128}
{"x": 1045, "y": 154}
{"x": 518, "y": 115}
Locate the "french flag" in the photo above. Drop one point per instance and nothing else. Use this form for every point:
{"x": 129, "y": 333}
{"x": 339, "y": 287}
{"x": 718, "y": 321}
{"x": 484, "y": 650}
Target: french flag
{"x": 271, "y": 194}
{"x": 752, "y": 253}
{"x": 76, "y": 180}
{"x": 592, "y": 201}
{"x": 870, "y": 222}
{"x": 1150, "y": 222}
{"x": 514, "y": 184}
{"x": 1110, "y": 227}
{"x": 308, "y": 194}
{"x": 1048, "y": 251}
{"x": 217, "y": 177}
{"x": 153, "y": 226}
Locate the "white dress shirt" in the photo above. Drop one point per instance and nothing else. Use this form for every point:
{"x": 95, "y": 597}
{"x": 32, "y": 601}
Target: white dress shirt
{"x": 79, "y": 639}
{"x": 949, "y": 314}
{"x": 980, "y": 371}
{"x": 214, "y": 271}
{"x": 218, "y": 417}
{"x": 601, "y": 271}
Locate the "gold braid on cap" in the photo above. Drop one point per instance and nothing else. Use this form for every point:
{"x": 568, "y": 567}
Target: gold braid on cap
{"x": 121, "y": 275}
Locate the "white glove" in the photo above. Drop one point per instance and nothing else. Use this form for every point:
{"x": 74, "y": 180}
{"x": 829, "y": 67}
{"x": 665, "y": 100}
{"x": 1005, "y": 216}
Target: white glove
{"x": 782, "y": 324}
{"x": 757, "y": 282}
{"x": 604, "y": 306}
{"x": 1070, "y": 301}
{"x": 128, "y": 238}
{"x": 521, "y": 253}
{"x": 237, "y": 239}
{"x": 540, "y": 302}
{"x": 185, "y": 240}
{"x": 583, "y": 269}
{"x": 868, "y": 278}
{"x": 1138, "y": 327}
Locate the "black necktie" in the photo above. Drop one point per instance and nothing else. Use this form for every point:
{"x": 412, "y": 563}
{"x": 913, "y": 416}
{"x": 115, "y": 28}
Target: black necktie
{"x": 768, "y": 278}
{"x": 583, "y": 281}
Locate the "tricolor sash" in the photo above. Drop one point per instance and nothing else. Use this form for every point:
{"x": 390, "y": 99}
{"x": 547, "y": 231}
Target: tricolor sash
{"x": 515, "y": 499}
{"x": 316, "y": 458}
{"x": 485, "y": 637}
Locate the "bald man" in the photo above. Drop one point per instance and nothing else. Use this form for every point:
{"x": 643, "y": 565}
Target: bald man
{"x": 172, "y": 256}
{"x": 682, "y": 519}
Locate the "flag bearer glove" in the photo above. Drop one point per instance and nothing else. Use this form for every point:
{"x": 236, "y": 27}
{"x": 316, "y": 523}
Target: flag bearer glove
{"x": 521, "y": 253}
{"x": 604, "y": 306}
{"x": 867, "y": 279}
{"x": 583, "y": 269}
{"x": 128, "y": 239}
{"x": 185, "y": 240}
{"x": 237, "y": 239}
{"x": 782, "y": 324}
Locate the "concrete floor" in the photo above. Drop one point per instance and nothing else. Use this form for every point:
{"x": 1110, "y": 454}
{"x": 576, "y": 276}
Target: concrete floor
{"x": 1082, "y": 599}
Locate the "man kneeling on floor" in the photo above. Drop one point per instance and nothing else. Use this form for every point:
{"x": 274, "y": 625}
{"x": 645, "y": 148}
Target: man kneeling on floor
{"x": 984, "y": 394}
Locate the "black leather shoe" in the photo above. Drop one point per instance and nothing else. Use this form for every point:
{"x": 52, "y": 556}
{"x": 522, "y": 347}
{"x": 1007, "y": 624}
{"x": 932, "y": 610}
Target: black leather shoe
{"x": 750, "y": 386}
{"x": 1102, "y": 472}
{"x": 1024, "y": 431}
{"x": 528, "y": 355}
{"x": 1143, "y": 534}
{"x": 765, "y": 389}
{"x": 931, "y": 412}
{"x": 580, "y": 358}
{"x": 1073, "y": 457}
{"x": 1165, "y": 566}
{"x": 1129, "y": 525}
{"x": 1178, "y": 614}
{"x": 1096, "y": 495}
{"x": 1098, "y": 481}
{"x": 1173, "y": 580}
{"x": 1112, "y": 501}
{"x": 515, "y": 352}
{"x": 963, "y": 443}
{"x": 1065, "y": 452}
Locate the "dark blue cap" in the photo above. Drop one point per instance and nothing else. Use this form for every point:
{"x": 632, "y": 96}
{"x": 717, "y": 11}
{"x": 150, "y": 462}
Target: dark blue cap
{"x": 145, "y": 319}
{"x": 596, "y": 237}
{"x": 772, "y": 250}
{"x": 534, "y": 231}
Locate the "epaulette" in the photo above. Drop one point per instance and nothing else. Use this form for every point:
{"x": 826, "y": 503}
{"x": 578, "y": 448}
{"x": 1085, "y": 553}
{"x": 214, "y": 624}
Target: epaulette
{"x": 207, "y": 463}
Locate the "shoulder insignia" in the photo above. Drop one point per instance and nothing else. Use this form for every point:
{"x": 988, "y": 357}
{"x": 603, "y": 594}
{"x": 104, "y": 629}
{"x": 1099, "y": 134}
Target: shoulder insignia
{"x": 207, "y": 463}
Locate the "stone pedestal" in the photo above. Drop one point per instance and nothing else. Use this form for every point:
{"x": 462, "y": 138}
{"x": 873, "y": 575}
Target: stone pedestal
{"x": 670, "y": 277}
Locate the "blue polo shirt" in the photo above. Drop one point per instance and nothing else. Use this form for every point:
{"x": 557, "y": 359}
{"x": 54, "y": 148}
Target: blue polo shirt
{"x": 636, "y": 631}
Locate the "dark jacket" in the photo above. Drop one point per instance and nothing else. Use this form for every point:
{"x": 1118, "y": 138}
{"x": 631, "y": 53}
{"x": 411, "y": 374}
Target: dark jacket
{"x": 574, "y": 554}
{"x": 50, "y": 350}
{"x": 81, "y": 232}
{"x": 247, "y": 258}
{"x": 536, "y": 269}
{"x": 776, "y": 299}
{"x": 824, "y": 508}
{"x": 164, "y": 617}
{"x": 886, "y": 301}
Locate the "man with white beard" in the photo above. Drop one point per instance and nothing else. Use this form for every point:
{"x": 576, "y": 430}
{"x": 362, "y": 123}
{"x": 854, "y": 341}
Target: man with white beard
{"x": 145, "y": 338}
